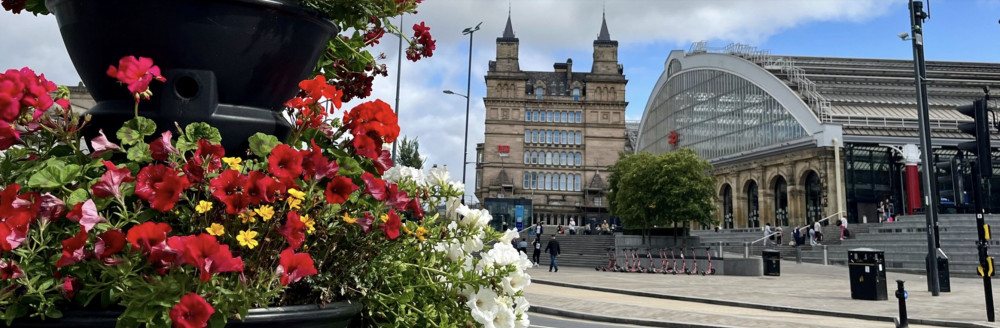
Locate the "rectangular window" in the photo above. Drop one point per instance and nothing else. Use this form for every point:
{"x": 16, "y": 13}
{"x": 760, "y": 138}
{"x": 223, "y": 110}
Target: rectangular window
{"x": 598, "y": 201}
{"x": 527, "y": 116}
{"x": 527, "y": 179}
{"x": 539, "y": 92}
{"x": 576, "y": 94}
{"x": 565, "y": 117}
{"x": 579, "y": 138}
{"x": 527, "y": 135}
{"x": 534, "y": 180}
{"x": 579, "y": 117}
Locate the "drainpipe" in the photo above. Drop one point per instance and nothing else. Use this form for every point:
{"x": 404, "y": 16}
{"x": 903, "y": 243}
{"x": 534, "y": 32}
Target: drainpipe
{"x": 840, "y": 183}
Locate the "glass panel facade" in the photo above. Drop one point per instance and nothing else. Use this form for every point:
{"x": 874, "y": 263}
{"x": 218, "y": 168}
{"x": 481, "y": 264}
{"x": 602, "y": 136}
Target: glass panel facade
{"x": 716, "y": 114}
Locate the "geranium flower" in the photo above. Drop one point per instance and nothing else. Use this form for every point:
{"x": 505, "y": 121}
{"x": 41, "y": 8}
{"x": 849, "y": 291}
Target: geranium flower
{"x": 284, "y": 162}
{"x": 294, "y": 266}
{"x": 293, "y": 230}
{"x": 246, "y": 238}
{"x": 374, "y": 186}
{"x": 73, "y": 249}
{"x": 391, "y": 226}
{"x": 10, "y": 270}
{"x": 101, "y": 144}
{"x": 161, "y": 147}
{"x": 147, "y": 235}
{"x": 339, "y": 189}
{"x": 191, "y": 312}
{"x": 160, "y": 186}
{"x": 136, "y": 73}
{"x": 86, "y": 214}
{"x": 229, "y": 188}
{"x": 204, "y": 252}
{"x": 8, "y": 135}
{"x": 109, "y": 243}
{"x": 111, "y": 181}
{"x": 216, "y": 229}
{"x": 23, "y": 89}
{"x": 266, "y": 212}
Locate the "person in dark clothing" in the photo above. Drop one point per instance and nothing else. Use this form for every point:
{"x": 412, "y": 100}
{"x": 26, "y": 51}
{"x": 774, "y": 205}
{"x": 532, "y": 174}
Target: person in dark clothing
{"x": 504, "y": 227}
{"x": 537, "y": 254}
{"x": 553, "y": 249}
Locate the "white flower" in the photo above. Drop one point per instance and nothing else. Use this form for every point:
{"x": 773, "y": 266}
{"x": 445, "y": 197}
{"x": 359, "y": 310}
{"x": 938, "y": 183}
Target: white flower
{"x": 439, "y": 176}
{"x": 504, "y": 317}
{"x": 522, "y": 322}
{"x": 515, "y": 282}
{"x": 521, "y": 305}
{"x": 483, "y": 305}
{"x": 509, "y": 235}
{"x": 503, "y": 254}
{"x": 455, "y": 252}
{"x": 400, "y": 173}
{"x": 472, "y": 244}
{"x": 454, "y": 206}
{"x": 457, "y": 185}
{"x": 523, "y": 263}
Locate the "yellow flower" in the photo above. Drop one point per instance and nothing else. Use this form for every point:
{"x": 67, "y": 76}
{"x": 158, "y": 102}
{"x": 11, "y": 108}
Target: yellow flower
{"x": 384, "y": 217}
{"x": 422, "y": 233}
{"x": 216, "y": 229}
{"x": 246, "y": 238}
{"x": 233, "y": 162}
{"x": 294, "y": 203}
{"x": 203, "y": 206}
{"x": 407, "y": 230}
{"x": 248, "y": 216}
{"x": 309, "y": 222}
{"x": 349, "y": 219}
{"x": 266, "y": 212}
{"x": 296, "y": 194}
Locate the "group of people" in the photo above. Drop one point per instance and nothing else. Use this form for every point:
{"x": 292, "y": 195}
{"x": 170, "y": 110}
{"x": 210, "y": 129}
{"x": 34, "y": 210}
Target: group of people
{"x": 815, "y": 232}
{"x": 552, "y": 247}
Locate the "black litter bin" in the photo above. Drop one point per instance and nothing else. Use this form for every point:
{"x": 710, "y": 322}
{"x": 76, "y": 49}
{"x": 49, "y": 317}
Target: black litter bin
{"x": 772, "y": 262}
{"x": 867, "y": 271}
{"x": 944, "y": 276}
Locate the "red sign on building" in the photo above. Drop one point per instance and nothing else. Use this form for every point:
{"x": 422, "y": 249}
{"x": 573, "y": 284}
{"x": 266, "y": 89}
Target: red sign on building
{"x": 673, "y": 138}
{"x": 503, "y": 149}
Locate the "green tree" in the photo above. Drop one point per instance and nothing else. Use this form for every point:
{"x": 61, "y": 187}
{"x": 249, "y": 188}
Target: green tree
{"x": 409, "y": 153}
{"x": 674, "y": 188}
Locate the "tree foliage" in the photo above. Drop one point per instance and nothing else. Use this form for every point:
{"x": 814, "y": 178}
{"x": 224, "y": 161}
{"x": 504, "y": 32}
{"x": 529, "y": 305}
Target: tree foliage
{"x": 409, "y": 153}
{"x": 647, "y": 190}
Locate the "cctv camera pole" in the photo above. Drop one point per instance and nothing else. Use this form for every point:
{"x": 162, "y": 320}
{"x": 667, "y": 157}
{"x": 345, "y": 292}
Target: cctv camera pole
{"x": 917, "y": 17}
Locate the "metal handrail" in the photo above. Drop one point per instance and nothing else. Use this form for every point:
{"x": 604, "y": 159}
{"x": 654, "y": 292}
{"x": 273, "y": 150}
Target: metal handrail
{"x": 806, "y": 227}
{"x": 765, "y": 237}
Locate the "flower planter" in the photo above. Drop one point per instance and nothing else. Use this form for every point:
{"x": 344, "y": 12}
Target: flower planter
{"x": 334, "y": 315}
{"x": 230, "y": 63}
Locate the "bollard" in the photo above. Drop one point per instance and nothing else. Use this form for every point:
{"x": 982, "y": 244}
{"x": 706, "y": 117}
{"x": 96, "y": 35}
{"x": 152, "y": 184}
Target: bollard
{"x": 798, "y": 254}
{"x": 901, "y": 322}
{"x": 825, "y": 257}
{"x": 720, "y": 250}
{"x": 746, "y": 249}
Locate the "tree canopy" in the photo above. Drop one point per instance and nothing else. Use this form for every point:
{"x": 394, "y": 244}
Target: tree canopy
{"x": 409, "y": 153}
{"x": 647, "y": 190}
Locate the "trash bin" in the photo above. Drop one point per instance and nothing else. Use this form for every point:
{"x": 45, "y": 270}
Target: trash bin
{"x": 772, "y": 262}
{"x": 944, "y": 276}
{"x": 867, "y": 271}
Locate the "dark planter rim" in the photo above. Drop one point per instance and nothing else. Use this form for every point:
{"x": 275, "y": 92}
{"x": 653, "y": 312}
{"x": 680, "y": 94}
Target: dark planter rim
{"x": 284, "y": 6}
{"x": 329, "y": 310}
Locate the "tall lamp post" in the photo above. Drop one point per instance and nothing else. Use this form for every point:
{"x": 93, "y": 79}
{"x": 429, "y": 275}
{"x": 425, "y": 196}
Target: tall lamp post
{"x": 468, "y": 88}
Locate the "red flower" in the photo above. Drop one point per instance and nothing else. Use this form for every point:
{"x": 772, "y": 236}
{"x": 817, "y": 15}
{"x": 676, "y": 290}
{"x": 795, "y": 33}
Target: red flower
{"x": 366, "y": 146}
{"x": 204, "y": 252}
{"x": 13, "y": 232}
{"x": 147, "y": 235}
{"x": 161, "y": 147}
{"x": 339, "y": 189}
{"x": 293, "y": 230}
{"x": 418, "y": 210}
{"x": 294, "y": 266}
{"x": 10, "y": 270}
{"x": 137, "y": 73}
{"x": 191, "y": 312}
{"x": 391, "y": 226}
{"x": 229, "y": 188}
{"x": 69, "y": 286}
{"x": 317, "y": 88}
{"x": 423, "y": 45}
{"x": 374, "y": 120}
{"x": 263, "y": 189}
{"x": 86, "y": 214}
{"x": 51, "y": 208}
{"x": 384, "y": 162}
{"x": 284, "y": 162}
{"x": 14, "y": 6}
{"x": 22, "y": 89}
{"x": 109, "y": 243}
{"x": 315, "y": 165}
{"x": 111, "y": 181}
{"x": 8, "y": 135}
{"x": 374, "y": 186}
{"x": 365, "y": 222}
{"x": 211, "y": 153}
{"x": 160, "y": 186}
{"x": 194, "y": 172}
{"x": 397, "y": 198}
{"x": 73, "y": 249}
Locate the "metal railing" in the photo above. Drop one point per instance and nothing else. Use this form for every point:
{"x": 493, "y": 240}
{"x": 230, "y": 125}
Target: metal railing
{"x": 746, "y": 245}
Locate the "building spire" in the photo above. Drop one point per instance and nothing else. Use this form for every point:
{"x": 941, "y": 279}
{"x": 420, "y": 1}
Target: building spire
{"x": 508, "y": 32}
{"x": 604, "y": 36}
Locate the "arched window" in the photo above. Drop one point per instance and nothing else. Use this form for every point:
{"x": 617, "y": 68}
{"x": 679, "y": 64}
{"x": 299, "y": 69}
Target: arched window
{"x": 814, "y": 197}
{"x": 579, "y": 159}
{"x": 539, "y": 92}
{"x": 534, "y": 135}
{"x": 555, "y": 184}
{"x": 563, "y": 178}
{"x": 753, "y": 215}
{"x": 534, "y": 157}
{"x": 527, "y": 116}
{"x": 579, "y": 138}
{"x": 548, "y": 158}
{"x": 527, "y": 135}
{"x": 548, "y": 181}
{"x": 560, "y": 136}
{"x": 578, "y": 178}
{"x": 579, "y": 117}
{"x": 527, "y": 180}
{"x": 576, "y": 94}
{"x": 727, "y": 206}
{"x": 534, "y": 180}
{"x": 562, "y": 158}
{"x": 780, "y": 202}
{"x": 549, "y": 135}
{"x": 552, "y": 117}
{"x": 527, "y": 157}
{"x": 565, "y": 117}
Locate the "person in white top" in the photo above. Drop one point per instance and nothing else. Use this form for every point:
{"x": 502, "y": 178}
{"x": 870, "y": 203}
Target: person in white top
{"x": 572, "y": 226}
{"x": 819, "y": 233}
{"x": 843, "y": 226}
{"x": 767, "y": 232}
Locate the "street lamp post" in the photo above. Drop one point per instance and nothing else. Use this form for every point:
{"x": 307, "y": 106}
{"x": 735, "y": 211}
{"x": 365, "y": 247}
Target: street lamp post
{"x": 468, "y": 88}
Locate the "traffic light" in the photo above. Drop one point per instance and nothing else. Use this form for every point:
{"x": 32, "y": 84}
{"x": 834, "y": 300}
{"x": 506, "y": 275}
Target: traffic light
{"x": 980, "y": 128}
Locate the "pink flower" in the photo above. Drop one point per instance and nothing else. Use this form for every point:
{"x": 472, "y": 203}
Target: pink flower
{"x": 137, "y": 73}
{"x": 10, "y": 270}
{"x": 86, "y": 214}
{"x": 161, "y": 147}
{"x": 391, "y": 226}
{"x": 101, "y": 144}
{"x": 111, "y": 181}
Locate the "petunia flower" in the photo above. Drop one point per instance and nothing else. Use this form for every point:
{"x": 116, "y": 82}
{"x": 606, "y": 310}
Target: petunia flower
{"x": 365, "y": 222}
{"x": 384, "y": 162}
{"x": 10, "y": 270}
{"x": 51, "y": 208}
{"x": 229, "y": 188}
{"x": 111, "y": 181}
{"x": 86, "y": 214}
{"x": 293, "y": 230}
{"x": 204, "y": 252}
{"x": 294, "y": 266}
{"x": 101, "y": 144}
{"x": 398, "y": 199}
{"x": 391, "y": 226}
{"x": 284, "y": 162}
{"x": 161, "y": 148}
{"x": 147, "y": 235}
{"x": 191, "y": 312}
{"x": 374, "y": 186}
{"x": 262, "y": 188}
{"x": 339, "y": 189}
{"x": 109, "y": 243}
{"x": 70, "y": 286}
{"x": 160, "y": 185}
{"x": 73, "y": 249}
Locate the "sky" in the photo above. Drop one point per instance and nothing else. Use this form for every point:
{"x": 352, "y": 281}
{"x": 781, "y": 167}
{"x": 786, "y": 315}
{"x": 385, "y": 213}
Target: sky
{"x": 551, "y": 31}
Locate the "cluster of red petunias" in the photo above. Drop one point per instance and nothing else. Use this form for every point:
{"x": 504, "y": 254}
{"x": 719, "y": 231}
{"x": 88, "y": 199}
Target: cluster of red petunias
{"x": 423, "y": 44}
{"x": 21, "y": 91}
{"x": 371, "y": 123}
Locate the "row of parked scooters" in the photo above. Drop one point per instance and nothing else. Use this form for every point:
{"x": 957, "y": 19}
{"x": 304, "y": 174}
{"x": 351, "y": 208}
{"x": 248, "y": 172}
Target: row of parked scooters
{"x": 633, "y": 263}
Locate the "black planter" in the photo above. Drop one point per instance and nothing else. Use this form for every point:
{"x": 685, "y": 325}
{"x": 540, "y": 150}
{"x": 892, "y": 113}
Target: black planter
{"x": 334, "y": 315}
{"x": 230, "y": 63}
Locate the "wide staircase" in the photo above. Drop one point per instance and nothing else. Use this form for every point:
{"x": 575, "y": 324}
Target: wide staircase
{"x": 579, "y": 250}
{"x": 904, "y": 242}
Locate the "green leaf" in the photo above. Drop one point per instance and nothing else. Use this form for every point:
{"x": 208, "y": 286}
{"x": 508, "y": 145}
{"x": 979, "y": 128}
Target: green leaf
{"x": 53, "y": 312}
{"x": 201, "y": 130}
{"x": 184, "y": 146}
{"x": 140, "y": 153}
{"x": 77, "y": 196}
{"x": 55, "y": 174}
{"x": 262, "y": 144}
{"x": 135, "y": 130}
{"x": 349, "y": 166}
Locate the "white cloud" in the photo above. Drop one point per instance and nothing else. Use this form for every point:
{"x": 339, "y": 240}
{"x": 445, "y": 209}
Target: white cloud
{"x": 549, "y": 31}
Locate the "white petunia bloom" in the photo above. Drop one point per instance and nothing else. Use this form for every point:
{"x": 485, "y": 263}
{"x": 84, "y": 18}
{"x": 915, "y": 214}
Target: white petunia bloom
{"x": 439, "y": 176}
{"x": 472, "y": 244}
{"x": 521, "y": 305}
{"x": 504, "y": 254}
{"x": 515, "y": 282}
{"x": 523, "y": 322}
{"x": 483, "y": 305}
{"x": 523, "y": 262}
{"x": 400, "y": 173}
{"x": 455, "y": 252}
{"x": 504, "y": 317}
{"x": 509, "y": 235}
{"x": 457, "y": 185}
{"x": 454, "y": 206}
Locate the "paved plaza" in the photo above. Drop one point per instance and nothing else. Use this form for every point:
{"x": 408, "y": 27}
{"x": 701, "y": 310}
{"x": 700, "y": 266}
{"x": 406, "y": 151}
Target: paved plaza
{"x": 813, "y": 290}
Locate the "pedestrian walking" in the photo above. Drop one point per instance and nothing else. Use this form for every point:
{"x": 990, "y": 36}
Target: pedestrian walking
{"x": 553, "y": 249}
{"x": 818, "y": 229}
{"x": 504, "y": 226}
{"x": 812, "y": 237}
{"x": 538, "y": 228}
{"x": 843, "y": 226}
{"x": 536, "y": 256}
{"x": 767, "y": 233}
{"x": 523, "y": 246}
{"x": 572, "y": 226}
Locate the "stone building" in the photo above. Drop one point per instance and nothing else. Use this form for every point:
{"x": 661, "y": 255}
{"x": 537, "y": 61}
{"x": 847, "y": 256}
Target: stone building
{"x": 551, "y": 136}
